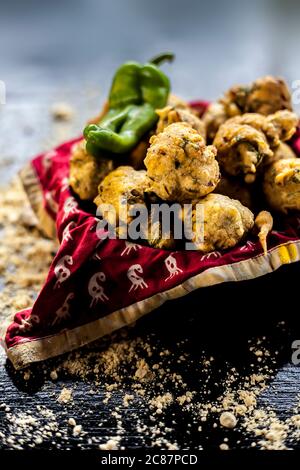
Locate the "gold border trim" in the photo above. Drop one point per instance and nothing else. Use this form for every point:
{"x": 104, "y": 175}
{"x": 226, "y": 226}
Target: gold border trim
{"x": 24, "y": 354}
{"x": 32, "y": 187}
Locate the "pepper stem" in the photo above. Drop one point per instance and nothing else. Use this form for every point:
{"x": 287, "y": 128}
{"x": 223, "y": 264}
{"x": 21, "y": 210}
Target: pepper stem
{"x": 161, "y": 58}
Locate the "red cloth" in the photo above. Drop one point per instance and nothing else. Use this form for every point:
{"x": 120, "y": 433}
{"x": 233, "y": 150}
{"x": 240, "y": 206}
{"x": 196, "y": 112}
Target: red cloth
{"x": 89, "y": 279}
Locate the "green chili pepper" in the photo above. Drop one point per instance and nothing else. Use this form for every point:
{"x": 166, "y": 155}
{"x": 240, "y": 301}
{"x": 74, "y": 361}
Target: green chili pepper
{"x": 136, "y": 92}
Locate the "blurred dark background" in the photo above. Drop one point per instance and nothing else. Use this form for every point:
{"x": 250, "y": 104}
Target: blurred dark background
{"x": 68, "y": 50}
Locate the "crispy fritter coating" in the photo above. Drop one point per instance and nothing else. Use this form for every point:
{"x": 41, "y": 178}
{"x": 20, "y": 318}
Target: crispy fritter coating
{"x": 178, "y": 112}
{"x": 226, "y": 222}
{"x": 240, "y": 149}
{"x": 235, "y": 189}
{"x": 156, "y": 240}
{"x": 86, "y": 171}
{"x": 285, "y": 122}
{"x": 129, "y": 186}
{"x": 282, "y": 185}
{"x": 123, "y": 187}
{"x": 169, "y": 115}
{"x": 179, "y": 164}
{"x": 277, "y": 127}
{"x": 264, "y": 96}
{"x": 243, "y": 142}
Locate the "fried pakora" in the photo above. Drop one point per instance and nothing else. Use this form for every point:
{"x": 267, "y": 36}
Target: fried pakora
{"x": 265, "y": 96}
{"x": 86, "y": 171}
{"x": 225, "y": 222}
{"x": 243, "y": 142}
{"x": 170, "y": 115}
{"x": 123, "y": 187}
{"x": 282, "y": 185}
{"x": 179, "y": 164}
{"x": 156, "y": 239}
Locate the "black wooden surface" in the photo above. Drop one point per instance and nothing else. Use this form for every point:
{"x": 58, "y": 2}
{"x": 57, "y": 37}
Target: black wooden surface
{"x": 218, "y": 320}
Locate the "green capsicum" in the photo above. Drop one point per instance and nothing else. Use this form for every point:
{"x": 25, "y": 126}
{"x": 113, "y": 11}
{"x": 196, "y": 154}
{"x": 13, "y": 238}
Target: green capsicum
{"x": 136, "y": 92}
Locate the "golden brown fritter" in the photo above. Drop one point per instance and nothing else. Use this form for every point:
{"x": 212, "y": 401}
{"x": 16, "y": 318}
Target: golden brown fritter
{"x": 235, "y": 189}
{"x": 129, "y": 186}
{"x": 178, "y": 112}
{"x": 277, "y": 127}
{"x": 240, "y": 149}
{"x": 156, "y": 240}
{"x": 243, "y": 142}
{"x": 86, "y": 171}
{"x": 285, "y": 122}
{"x": 169, "y": 115}
{"x": 282, "y": 185}
{"x": 265, "y": 96}
{"x": 123, "y": 187}
{"x": 226, "y": 222}
{"x": 179, "y": 164}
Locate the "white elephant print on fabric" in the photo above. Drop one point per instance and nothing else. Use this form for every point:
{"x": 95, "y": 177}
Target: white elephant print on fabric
{"x": 66, "y": 235}
{"x": 96, "y": 256}
{"x": 130, "y": 246}
{"x": 212, "y": 254}
{"x": 248, "y": 245}
{"x": 171, "y": 265}
{"x": 64, "y": 311}
{"x": 28, "y": 323}
{"x": 96, "y": 290}
{"x": 61, "y": 271}
{"x": 65, "y": 183}
{"x": 70, "y": 207}
{"x": 94, "y": 226}
{"x": 134, "y": 275}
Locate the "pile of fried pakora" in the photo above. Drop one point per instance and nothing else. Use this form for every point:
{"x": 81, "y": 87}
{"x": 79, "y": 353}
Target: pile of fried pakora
{"x": 233, "y": 159}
